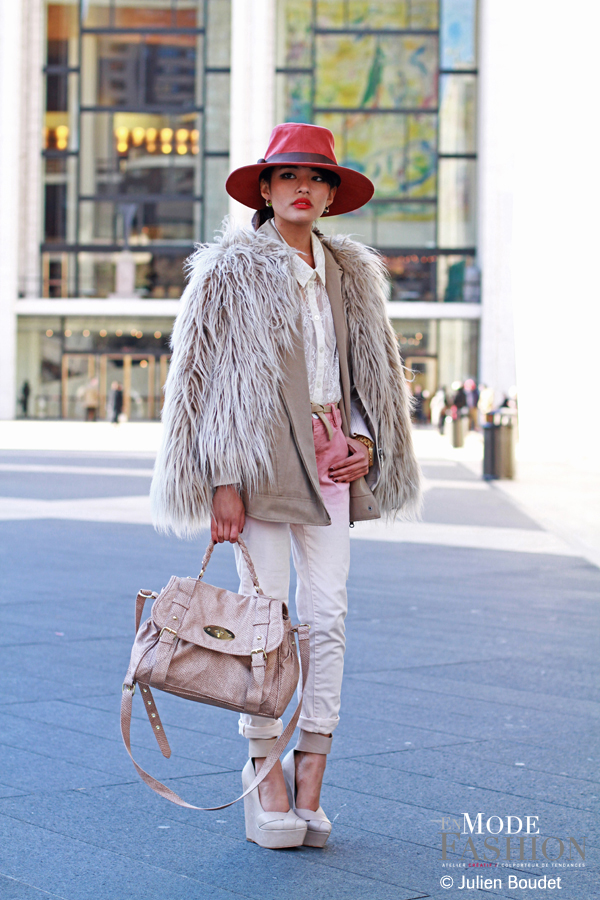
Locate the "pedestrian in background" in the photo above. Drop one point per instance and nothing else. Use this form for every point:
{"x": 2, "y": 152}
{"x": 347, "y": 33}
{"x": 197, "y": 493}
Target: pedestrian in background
{"x": 286, "y": 417}
{"x": 472, "y": 398}
{"x": 117, "y": 401}
{"x": 486, "y": 403}
{"x": 439, "y": 407}
{"x": 24, "y": 398}
{"x": 91, "y": 400}
{"x": 419, "y": 405}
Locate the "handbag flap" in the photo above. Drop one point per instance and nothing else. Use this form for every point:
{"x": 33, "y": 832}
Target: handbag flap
{"x": 217, "y": 618}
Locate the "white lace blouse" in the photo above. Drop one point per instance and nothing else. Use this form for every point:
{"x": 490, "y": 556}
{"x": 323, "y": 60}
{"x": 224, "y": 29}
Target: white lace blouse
{"x": 320, "y": 346}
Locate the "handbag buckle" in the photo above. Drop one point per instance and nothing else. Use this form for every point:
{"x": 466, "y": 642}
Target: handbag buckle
{"x": 302, "y": 625}
{"x": 130, "y": 688}
{"x": 260, "y": 650}
{"x": 170, "y": 630}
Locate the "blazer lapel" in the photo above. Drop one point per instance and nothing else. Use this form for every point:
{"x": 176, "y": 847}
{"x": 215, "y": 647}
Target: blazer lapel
{"x": 334, "y": 292}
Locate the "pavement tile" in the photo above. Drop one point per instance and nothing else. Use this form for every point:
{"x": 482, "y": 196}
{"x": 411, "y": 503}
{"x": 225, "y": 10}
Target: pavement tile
{"x": 460, "y": 663}
{"x": 17, "y": 890}
{"x": 484, "y": 508}
{"x": 191, "y": 850}
{"x": 76, "y": 870}
{"x": 454, "y": 765}
{"x": 61, "y": 486}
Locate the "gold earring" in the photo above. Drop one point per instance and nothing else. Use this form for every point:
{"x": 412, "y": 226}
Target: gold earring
{"x": 326, "y": 210}
{"x": 268, "y": 203}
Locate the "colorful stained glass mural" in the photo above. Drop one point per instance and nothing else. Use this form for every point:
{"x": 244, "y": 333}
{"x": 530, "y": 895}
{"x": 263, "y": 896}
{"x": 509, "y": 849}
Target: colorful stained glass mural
{"x": 458, "y": 30}
{"x": 376, "y": 72}
{"x": 395, "y": 82}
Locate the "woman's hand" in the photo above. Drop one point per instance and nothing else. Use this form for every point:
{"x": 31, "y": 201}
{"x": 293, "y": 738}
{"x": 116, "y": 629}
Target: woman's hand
{"x": 228, "y": 515}
{"x": 356, "y": 464}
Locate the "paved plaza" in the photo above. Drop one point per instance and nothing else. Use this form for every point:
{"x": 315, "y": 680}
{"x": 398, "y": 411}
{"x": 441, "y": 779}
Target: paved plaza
{"x": 472, "y": 685}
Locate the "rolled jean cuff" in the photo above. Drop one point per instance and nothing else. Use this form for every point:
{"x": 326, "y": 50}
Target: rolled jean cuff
{"x": 258, "y": 748}
{"x": 310, "y": 742}
{"x": 318, "y": 726}
{"x": 271, "y": 729}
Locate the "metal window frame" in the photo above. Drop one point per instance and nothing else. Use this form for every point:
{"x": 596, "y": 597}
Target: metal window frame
{"x": 346, "y": 111}
{"x": 74, "y": 249}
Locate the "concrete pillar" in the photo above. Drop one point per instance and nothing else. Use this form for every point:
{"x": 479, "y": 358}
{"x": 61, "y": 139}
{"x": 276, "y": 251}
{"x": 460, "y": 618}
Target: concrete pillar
{"x": 252, "y": 86}
{"x": 556, "y": 231}
{"x": 497, "y": 140}
{"x": 32, "y": 112}
{"x": 10, "y": 108}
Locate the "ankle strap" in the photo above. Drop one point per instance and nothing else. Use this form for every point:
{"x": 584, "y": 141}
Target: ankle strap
{"x": 311, "y": 742}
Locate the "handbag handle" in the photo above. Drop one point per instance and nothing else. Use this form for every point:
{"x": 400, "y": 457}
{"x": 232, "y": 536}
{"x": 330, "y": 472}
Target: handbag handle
{"x": 271, "y": 758}
{"x": 247, "y": 560}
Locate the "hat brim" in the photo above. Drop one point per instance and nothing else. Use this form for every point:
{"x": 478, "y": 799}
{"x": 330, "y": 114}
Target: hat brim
{"x": 353, "y": 192}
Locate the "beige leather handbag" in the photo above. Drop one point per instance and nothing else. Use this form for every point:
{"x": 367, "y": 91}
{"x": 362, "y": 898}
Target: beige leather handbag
{"x": 208, "y": 644}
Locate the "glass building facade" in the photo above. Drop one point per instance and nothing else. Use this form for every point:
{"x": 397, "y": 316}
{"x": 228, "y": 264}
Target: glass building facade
{"x": 136, "y": 143}
{"x": 135, "y": 149}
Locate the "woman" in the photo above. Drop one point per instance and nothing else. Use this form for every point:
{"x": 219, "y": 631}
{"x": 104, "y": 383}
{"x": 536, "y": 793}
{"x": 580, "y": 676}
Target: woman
{"x": 287, "y": 418}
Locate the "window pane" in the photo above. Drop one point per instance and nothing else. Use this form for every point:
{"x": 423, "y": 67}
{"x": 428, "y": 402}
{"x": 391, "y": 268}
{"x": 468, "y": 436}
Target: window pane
{"x": 375, "y": 72}
{"x": 359, "y": 224}
{"x": 458, "y": 280}
{"x": 457, "y": 202}
{"x": 378, "y": 14}
{"x": 424, "y": 13}
{"x": 414, "y": 335}
{"x": 457, "y": 113}
{"x": 216, "y": 202}
{"x": 218, "y": 33}
{"x": 293, "y": 98}
{"x": 62, "y": 35}
{"x": 458, "y": 342}
{"x": 413, "y": 278}
{"x": 60, "y": 197}
{"x": 133, "y": 153}
{"x": 217, "y": 112}
{"x": 330, "y": 13}
{"x": 140, "y": 71}
{"x": 294, "y": 40}
{"x": 157, "y": 276}
{"x": 157, "y": 14}
{"x": 457, "y": 33}
{"x": 55, "y": 212}
{"x": 398, "y": 153}
{"x": 404, "y": 225}
{"x": 144, "y": 221}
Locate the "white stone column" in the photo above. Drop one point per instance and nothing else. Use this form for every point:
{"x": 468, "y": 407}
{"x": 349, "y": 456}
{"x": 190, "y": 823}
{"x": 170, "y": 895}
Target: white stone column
{"x": 556, "y": 230}
{"x": 10, "y": 91}
{"x": 496, "y": 143}
{"x": 31, "y": 164}
{"x": 252, "y": 86}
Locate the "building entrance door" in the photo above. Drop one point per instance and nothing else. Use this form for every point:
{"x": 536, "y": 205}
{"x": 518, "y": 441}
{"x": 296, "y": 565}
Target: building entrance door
{"x": 135, "y": 375}
{"x": 90, "y": 384}
{"x": 80, "y": 397}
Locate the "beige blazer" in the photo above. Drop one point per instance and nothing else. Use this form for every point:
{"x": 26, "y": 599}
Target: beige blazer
{"x": 295, "y": 496}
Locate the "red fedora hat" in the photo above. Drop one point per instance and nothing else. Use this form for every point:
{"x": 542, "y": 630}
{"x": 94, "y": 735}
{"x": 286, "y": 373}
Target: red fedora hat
{"x": 301, "y": 145}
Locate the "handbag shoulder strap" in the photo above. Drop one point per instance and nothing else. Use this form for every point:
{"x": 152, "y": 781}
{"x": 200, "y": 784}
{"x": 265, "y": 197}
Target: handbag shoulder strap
{"x": 271, "y": 759}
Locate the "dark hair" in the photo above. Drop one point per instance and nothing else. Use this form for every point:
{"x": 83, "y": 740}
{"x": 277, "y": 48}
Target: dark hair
{"x": 266, "y": 212}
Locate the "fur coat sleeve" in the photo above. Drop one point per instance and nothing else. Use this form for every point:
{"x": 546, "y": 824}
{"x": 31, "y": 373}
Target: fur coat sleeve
{"x": 222, "y": 394}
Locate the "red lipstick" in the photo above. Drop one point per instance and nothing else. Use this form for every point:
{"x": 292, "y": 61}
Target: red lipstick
{"x": 302, "y": 204}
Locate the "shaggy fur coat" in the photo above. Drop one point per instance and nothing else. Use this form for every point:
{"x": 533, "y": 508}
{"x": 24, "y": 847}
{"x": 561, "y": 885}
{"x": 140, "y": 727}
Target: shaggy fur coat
{"x": 239, "y": 317}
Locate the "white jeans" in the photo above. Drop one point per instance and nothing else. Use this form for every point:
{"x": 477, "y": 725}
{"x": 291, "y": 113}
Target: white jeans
{"x": 321, "y": 555}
